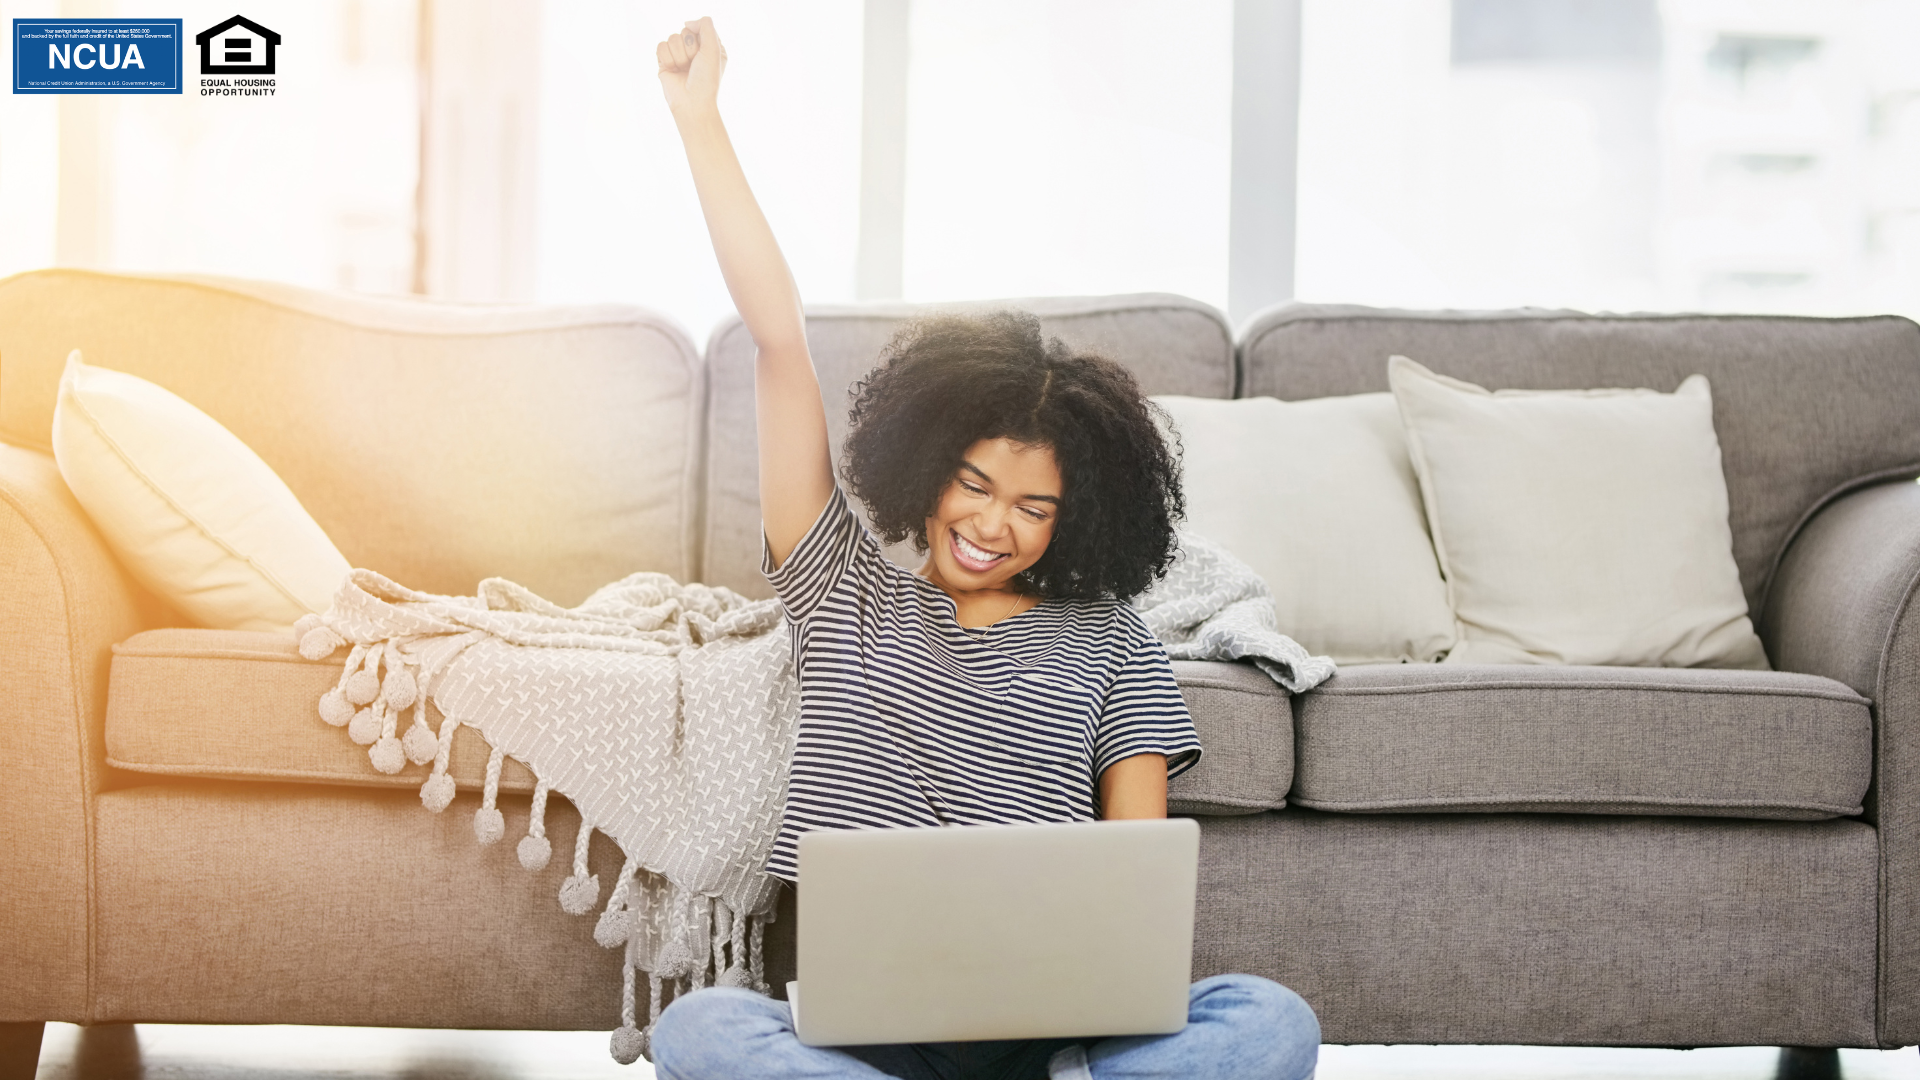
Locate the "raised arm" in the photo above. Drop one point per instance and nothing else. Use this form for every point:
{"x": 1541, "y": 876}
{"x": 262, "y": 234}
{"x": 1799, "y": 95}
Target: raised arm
{"x": 796, "y": 468}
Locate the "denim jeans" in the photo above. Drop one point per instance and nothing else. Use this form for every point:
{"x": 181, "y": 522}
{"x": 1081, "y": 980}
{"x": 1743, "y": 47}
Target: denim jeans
{"x": 1239, "y": 1027}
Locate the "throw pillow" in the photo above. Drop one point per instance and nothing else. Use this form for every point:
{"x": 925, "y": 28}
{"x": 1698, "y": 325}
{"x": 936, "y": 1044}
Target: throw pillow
{"x": 192, "y": 513}
{"x": 1579, "y": 527}
{"x": 1319, "y": 498}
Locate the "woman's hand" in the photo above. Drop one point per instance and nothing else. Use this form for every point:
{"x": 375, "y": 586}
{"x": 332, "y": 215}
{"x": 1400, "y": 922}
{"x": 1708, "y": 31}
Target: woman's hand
{"x": 691, "y": 62}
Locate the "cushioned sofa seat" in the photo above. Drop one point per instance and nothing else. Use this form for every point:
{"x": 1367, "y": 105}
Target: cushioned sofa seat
{"x": 229, "y": 704}
{"x": 233, "y": 704}
{"x": 1597, "y": 740}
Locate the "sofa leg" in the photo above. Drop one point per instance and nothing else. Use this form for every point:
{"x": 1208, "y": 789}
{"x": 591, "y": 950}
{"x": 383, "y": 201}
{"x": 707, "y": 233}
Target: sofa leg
{"x": 107, "y": 1052}
{"x": 20, "y": 1050}
{"x": 1808, "y": 1063}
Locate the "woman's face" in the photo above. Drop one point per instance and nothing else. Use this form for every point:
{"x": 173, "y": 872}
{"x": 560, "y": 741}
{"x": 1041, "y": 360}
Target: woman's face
{"x": 996, "y": 516}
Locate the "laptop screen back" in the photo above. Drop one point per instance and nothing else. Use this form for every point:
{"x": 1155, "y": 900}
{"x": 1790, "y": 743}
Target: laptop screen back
{"x": 996, "y": 932}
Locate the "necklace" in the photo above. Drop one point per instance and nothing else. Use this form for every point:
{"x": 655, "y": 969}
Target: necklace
{"x": 980, "y": 632}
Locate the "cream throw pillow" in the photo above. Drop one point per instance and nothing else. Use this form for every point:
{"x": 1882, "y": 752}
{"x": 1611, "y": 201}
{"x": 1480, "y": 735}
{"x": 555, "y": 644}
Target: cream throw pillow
{"x": 191, "y": 512}
{"x": 1579, "y": 527}
{"x": 1318, "y": 497}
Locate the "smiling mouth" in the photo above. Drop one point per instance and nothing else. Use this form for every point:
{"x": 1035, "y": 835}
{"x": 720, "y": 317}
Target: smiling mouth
{"x": 971, "y": 556}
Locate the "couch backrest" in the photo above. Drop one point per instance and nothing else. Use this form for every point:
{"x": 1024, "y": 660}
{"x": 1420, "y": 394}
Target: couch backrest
{"x": 1804, "y": 408}
{"x": 1172, "y": 344}
{"x": 436, "y": 443}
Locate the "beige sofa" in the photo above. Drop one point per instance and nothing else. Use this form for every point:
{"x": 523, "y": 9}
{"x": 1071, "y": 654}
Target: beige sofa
{"x": 1572, "y": 855}
{"x": 181, "y": 840}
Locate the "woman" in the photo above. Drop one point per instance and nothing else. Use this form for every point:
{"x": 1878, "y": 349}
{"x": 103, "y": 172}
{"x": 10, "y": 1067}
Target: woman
{"x": 1007, "y": 680}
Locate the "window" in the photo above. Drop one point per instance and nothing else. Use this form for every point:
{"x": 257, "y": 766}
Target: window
{"x": 1611, "y": 154}
{"x": 1068, "y": 147}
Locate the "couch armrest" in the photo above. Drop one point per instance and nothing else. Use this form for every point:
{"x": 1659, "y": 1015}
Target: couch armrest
{"x": 64, "y": 601}
{"x": 1842, "y": 590}
{"x": 1842, "y": 604}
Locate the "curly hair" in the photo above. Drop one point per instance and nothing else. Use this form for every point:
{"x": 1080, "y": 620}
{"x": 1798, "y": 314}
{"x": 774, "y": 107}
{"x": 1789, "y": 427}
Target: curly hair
{"x": 946, "y": 382}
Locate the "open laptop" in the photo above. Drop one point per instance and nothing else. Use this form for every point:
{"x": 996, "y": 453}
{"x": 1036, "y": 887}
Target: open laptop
{"x": 995, "y": 932}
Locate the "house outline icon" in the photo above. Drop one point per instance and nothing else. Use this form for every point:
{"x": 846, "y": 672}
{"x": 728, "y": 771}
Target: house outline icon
{"x": 260, "y": 41}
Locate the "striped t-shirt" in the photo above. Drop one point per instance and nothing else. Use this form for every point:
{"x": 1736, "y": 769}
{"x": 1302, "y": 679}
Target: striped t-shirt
{"x": 909, "y": 719}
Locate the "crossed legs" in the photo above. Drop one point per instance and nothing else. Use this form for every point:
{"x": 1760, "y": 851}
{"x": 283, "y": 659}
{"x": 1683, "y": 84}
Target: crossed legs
{"x": 1239, "y": 1027}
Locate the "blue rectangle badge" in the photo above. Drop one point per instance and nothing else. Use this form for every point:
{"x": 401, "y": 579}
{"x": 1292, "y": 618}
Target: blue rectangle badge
{"x": 96, "y": 56}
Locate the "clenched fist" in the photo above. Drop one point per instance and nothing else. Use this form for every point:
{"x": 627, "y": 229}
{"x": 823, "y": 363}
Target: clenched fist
{"x": 690, "y": 65}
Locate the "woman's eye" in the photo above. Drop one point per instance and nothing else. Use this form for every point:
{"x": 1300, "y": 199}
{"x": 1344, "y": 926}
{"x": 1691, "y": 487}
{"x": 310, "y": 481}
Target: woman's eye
{"x": 971, "y": 489}
{"x": 1037, "y": 515}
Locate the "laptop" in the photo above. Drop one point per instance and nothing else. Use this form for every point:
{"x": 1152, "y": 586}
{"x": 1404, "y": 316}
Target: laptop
{"x": 995, "y": 932}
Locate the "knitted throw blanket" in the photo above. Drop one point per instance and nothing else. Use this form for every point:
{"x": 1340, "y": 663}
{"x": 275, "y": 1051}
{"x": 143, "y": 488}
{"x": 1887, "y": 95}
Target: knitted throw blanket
{"x": 663, "y": 712}
{"x": 1212, "y": 606}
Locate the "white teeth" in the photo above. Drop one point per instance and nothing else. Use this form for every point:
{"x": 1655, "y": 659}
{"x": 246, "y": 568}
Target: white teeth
{"x": 975, "y": 553}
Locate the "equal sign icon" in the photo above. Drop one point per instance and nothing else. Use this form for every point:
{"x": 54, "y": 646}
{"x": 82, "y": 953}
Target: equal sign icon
{"x": 239, "y": 50}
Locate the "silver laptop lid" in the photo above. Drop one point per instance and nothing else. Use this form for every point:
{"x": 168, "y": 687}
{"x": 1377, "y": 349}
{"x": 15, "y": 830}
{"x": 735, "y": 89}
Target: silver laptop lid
{"x": 996, "y": 932}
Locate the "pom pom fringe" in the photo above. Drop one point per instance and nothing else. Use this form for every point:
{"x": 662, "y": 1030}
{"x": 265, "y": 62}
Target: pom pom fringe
{"x": 419, "y": 743}
{"x": 320, "y": 643}
{"x": 363, "y": 686}
{"x": 535, "y": 850}
{"x": 364, "y": 728}
{"x": 335, "y": 709}
{"x": 489, "y": 825}
{"x": 437, "y": 793}
{"x": 678, "y": 941}
{"x": 579, "y": 893}
{"x": 616, "y": 922}
{"x": 628, "y": 1045}
{"x": 387, "y": 756}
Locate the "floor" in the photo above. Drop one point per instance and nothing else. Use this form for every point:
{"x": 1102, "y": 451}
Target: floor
{"x": 154, "y": 1051}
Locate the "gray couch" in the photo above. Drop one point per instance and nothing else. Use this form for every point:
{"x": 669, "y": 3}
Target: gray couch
{"x": 1590, "y": 856}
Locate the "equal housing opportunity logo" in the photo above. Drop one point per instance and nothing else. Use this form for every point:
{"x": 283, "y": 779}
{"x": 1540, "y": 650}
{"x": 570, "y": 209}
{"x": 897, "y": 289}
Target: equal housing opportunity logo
{"x": 141, "y": 56}
{"x": 237, "y": 47}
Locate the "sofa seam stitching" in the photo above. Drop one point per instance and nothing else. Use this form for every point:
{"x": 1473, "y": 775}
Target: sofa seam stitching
{"x": 373, "y": 782}
{"x": 225, "y": 654}
{"x": 1503, "y": 799}
{"x": 1883, "y": 922}
{"x": 1385, "y": 315}
{"x": 649, "y": 318}
{"x": 1666, "y": 688}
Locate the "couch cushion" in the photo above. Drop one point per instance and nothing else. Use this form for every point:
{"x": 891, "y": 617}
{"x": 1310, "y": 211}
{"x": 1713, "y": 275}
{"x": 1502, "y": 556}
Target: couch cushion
{"x": 1172, "y": 344}
{"x": 1245, "y": 725}
{"x": 241, "y": 705}
{"x": 1578, "y": 526}
{"x": 1803, "y": 407}
{"x": 190, "y": 511}
{"x": 1338, "y": 533}
{"x": 244, "y": 706}
{"x": 437, "y": 443}
{"x": 1595, "y": 740}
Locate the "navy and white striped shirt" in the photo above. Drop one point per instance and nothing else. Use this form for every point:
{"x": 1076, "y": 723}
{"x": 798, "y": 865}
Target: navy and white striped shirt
{"x": 908, "y": 719}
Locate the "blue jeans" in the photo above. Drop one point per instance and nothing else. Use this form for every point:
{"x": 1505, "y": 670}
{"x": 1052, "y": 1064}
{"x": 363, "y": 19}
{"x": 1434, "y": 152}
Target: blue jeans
{"x": 1239, "y": 1027}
